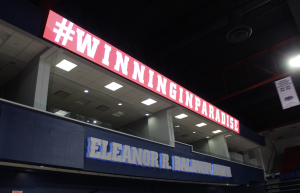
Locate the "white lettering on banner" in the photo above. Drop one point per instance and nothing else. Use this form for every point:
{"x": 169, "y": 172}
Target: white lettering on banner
{"x": 100, "y": 52}
{"x": 138, "y": 72}
{"x": 87, "y": 42}
{"x": 105, "y": 59}
{"x": 98, "y": 149}
{"x": 121, "y": 63}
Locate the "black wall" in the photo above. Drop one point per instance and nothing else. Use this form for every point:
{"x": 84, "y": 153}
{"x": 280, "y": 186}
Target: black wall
{"x": 39, "y": 182}
{"x": 32, "y": 136}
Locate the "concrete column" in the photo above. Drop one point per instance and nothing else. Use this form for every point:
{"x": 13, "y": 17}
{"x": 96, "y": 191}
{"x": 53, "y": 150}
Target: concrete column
{"x": 218, "y": 145}
{"x": 246, "y": 157}
{"x": 34, "y": 82}
{"x": 258, "y": 158}
{"x": 161, "y": 126}
{"x": 201, "y": 146}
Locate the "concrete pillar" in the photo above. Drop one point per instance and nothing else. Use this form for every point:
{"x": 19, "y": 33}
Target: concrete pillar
{"x": 161, "y": 126}
{"x": 33, "y": 90}
{"x": 201, "y": 146}
{"x": 258, "y": 158}
{"x": 246, "y": 157}
{"x": 218, "y": 146}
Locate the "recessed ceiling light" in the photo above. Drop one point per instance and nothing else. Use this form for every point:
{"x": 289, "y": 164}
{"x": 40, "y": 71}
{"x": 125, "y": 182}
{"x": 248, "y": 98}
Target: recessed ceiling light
{"x": 120, "y": 104}
{"x": 149, "y": 102}
{"x": 201, "y": 124}
{"x": 66, "y": 65}
{"x": 177, "y": 126}
{"x": 95, "y": 121}
{"x": 217, "y": 131}
{"x": 113, "y": 86}
{"x": 118, "y": 114}
{"x": 41, "y": 166}
{"x": 88, "y": 121}
{"x": 147, "y": 114}
{"x": 61, "y": 113}
{"x": 207, "y": 137}
{"x": 194, "y": 132}
{"x": 86, "y": 91}
{"x": 181, "y": 116}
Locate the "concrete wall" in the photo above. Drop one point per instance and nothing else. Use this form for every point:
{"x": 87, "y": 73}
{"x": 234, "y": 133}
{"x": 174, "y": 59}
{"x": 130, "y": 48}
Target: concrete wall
{"x": 158, "y": 127}
{"x": 28, "y": 82}
{"x": 161, "y": 126}
{"x": 201, "y": 146}
{"x": 218, "y": 146}
{"x": 34, "y": 81}
{"x": 140, "y": 126}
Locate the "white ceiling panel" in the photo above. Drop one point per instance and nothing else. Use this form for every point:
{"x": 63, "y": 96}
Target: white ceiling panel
{"x": 79, "y": 71}
{"x": 6, "y": 29}
{"x": 16, "y": 43}
{"x": 91, "y": 76}
{"x": 71, "y": 76}
{"x": 9, "y": 51}
{"x": 24, "y": 57}
{"x": 22, "y": 37}
{"x": 83, "y": 81}
{"x": 32, "y": 50}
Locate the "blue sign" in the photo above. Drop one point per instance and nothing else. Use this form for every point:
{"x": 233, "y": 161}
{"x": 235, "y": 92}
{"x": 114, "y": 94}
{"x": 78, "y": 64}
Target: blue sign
{"x": 98, "y": 149}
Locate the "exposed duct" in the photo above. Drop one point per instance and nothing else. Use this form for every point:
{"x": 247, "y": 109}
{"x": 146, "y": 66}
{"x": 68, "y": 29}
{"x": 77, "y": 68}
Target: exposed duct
{"x": 240, "y": 32}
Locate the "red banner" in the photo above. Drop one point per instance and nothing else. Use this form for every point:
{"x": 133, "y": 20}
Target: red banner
{"x": 72, "y": 37}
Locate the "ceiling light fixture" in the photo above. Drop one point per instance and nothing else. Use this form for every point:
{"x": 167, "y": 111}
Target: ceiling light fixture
{"x": 177, "y": 126}
{"x": 66, "y": 65}
{"x": 194, "y": 132}
{"x": 61, "y": 113}
{"x": 149, "y": 102}
{"x": 201, "y": 124}
{"x": 207, "y": 137}
{"x": 95, "y": 121}
{"x": 217, "y": 131}
{"x": 118, "y": 114}
{"x": 147, "y": 114}
{"x": 113, "y": 86}
{"x": 86, "y": 91}
{"x": 120, "y": 104}
{"x": 295, "y": 62}
{"x": 181, "y": 116}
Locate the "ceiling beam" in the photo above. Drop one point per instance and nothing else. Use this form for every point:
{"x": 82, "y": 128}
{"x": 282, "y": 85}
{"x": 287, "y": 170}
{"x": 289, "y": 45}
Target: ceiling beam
{"x": 256, "y": 85}
{"x": 277, "y": 126}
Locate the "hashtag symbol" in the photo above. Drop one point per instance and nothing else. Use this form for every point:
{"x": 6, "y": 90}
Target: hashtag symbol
{"x": 60, "y": 32}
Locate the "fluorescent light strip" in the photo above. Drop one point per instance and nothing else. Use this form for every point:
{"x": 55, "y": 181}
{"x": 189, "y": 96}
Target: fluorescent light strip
{"x": 61, "y": 113}
{"x": 66, "y": 65}
{"x": 149, "y": 102}
{"x": 113, "y": 86}
{"x": 181, "y": 116}
{"x": 217, "y": 131}
{"x": 201, "y": 124}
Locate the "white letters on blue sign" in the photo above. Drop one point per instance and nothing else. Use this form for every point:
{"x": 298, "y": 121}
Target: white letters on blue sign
{"x": 98, "y": 149}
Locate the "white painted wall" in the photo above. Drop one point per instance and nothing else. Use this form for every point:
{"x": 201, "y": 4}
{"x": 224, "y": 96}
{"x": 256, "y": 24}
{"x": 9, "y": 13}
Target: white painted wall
{"x": 218, "y": 145}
